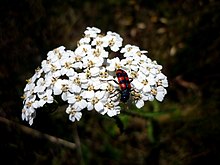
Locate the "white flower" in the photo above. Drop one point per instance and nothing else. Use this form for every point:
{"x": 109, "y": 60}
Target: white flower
{"x": 103, "y": 73}
{"x": 67, "y": 69}
{"x": 97, "y": 101}
{"x": 40, "y": 87}
{"x": 75, "y": 84}
{"x": 139, "y": 103}
{"x": 114, "y": 40}
{"x": 54, "y": 68}
{"x": 28, "y": 111}
{"x": 29, "y": 102}
{"x": 55, "y": 54}
{"x": 111, "y": 108}
{"x": 162, "y": 80}
{"x": 38, "y": 73}
{"x": 46, "y": 65}
{"x": 97, "y": 55}
{"x": 137, "y": 84}
{"x": 82, "y": 50}
{"x": 140, "y": 98}
{"x": 129, "y": 50}
{"x": 91, "y": 32}
{"x": 77, "y": 101}
{"x": 80, "y": 56}
{"x": 29, "y": 86}
{"x": 160, "y": 93}
{"x": 114, "y": 64}
{"x": 46, "y": 96}
{"x": 28, "y": 115}
{"x": 100, "y": 41}
{"x": 92, "y": 72}
{"x": 61, "y": 87}
{"x": 89, "y": 88}
{"x": 73, "y": 113}
{"x": 132, "y": 51}
{"x": 130, "y": 64}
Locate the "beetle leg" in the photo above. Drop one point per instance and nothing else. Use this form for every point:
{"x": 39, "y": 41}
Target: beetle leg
{"x": 111, "y": 80}
{"x": 115, "y": 94}
{"x": 133, "y": 91}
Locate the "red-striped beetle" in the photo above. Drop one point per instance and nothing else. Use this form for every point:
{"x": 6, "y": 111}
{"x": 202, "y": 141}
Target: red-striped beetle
{"x": 124, "y": 84}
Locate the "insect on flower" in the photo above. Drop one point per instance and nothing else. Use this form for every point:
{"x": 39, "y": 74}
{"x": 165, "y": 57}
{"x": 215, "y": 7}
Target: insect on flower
{"x": 124, "y": 84}
{"x": 80, "y": 78}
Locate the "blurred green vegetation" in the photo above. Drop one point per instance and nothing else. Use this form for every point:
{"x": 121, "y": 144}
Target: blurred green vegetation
{"x": 183, "y": 36}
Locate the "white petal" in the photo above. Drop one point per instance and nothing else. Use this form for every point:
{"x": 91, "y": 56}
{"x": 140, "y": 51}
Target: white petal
{"x": 36, "y": 104}
{"x": 90, "y": 106}
{"x": 68, "y": 109}
{"x": 103, "y": 111}
{"x": 75, "y": 88}
{"x": 72, "y": 117}
{"x": 41, "y": 102}
{"x": 111, "y": 113}
{"x": 153, "y": 71}
{"x": 57, "y": 91}
{"x": 114, "y": 112}
{"x": 49, "y": 99}
{"x": 70, "y": 72}
{"x": 94, "y": 71}
{"x": 151, "y": 97}
{"x": 160, "y": 93}
{"x": 100, "y": 94}
{"x": 165, "y": 83}
{"x": 78, "y": 65}
{"x": 78, "y": 116}
{"x": 151, "y": 80}
{"x": 146, "y": 88}
{"x": 82, "y": 104}
{"x": 159, "y": 97}
{"x": 64, "y": 96}
{"x": 88, "y": 94}
{"x": 139, "y": 103}
{"x": 99, "y": 106}
{"x": 137, "y": 84}
{"x": 71, "y": 98}
{"x": 31, "y": 121}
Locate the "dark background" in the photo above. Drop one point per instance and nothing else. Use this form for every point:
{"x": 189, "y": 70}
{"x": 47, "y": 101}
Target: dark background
{"x": 183, "y": 36}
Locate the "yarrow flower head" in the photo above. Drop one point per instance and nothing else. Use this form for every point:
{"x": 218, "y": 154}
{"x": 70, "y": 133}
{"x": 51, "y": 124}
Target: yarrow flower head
{"x": 91, "y": 77}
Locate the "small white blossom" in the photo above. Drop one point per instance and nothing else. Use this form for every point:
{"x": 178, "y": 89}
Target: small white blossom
{"x": 29, "y": 86}
{"x": 91, "y": 32}
{"x": 77, "y": 101}
{"x": 97, "y": 101}
{"x": 100, "y": 41}
{"x": 73, "y": 113}
{"x": 111, "y": 108}
{"x": 61, "y": 87}
{"x": 97, "y": 55}
{"x": 41, "y": 85}
{"x": 46, "y": 96}
{"x": 28, "y": 115}
{"x": 161, "y": 92}
{"x": 114, "y": 64}
{"x": 130, "y": 64}
{"x": 55, "y": 54}
{"x": 114, "y": 40}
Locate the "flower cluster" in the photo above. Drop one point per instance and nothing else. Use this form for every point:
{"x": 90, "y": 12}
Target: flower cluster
{"x": 85, "y": 78}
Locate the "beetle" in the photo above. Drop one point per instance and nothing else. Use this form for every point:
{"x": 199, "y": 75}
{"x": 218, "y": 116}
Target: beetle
{"x": 124, "y": 84}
